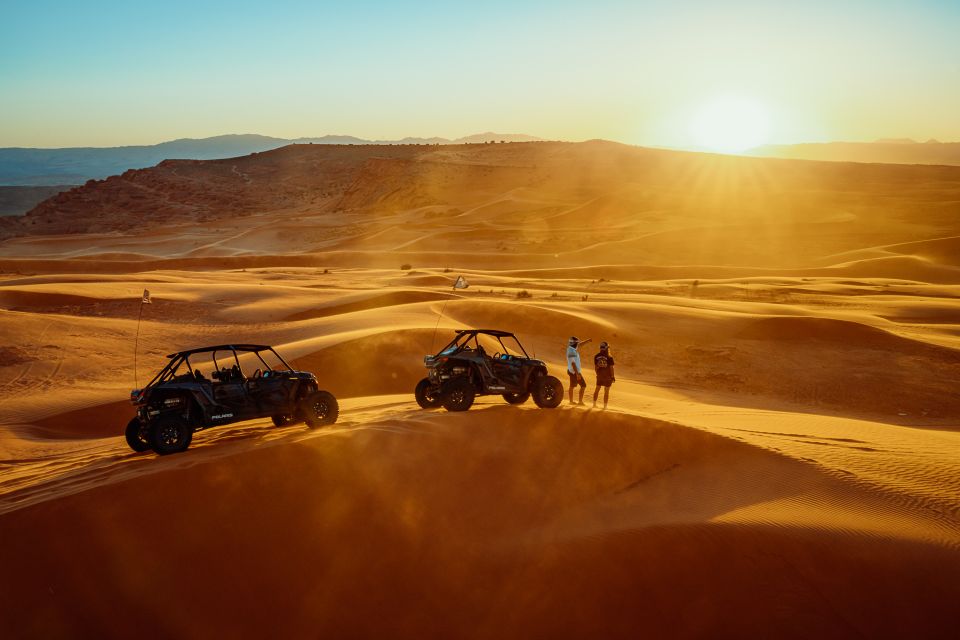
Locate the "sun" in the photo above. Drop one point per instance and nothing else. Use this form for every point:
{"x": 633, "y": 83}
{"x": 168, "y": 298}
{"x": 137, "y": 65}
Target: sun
{"x": 731, "y": 124}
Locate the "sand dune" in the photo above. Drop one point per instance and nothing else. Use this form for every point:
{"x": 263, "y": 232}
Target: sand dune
{"x": 376, "y": 301}
{"x": 620, "y": 514}
{"x": 778, "y": 460}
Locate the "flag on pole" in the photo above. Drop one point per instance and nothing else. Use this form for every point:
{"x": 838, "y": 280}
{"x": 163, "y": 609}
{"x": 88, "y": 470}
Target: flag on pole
{"x": 461, "y": 283}
{"x": 146, "y": 298}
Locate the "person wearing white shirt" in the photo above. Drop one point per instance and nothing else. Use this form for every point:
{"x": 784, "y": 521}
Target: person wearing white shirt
{"x": 574, "y": 369}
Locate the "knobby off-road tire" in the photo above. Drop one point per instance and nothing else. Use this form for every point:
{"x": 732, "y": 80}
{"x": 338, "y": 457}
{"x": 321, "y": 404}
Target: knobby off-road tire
{"x": 516, "y": 398}
{"x": 458, "y": 395}
{"x": 548, "y": 392}
{"x": 319, "y": 409}
{"x": 137, "y": 437}
{"x": 170, "y": 435}
{"x": 425, "y": 398}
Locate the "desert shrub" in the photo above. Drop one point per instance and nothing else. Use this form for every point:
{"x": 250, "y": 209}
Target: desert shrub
{"x": 524, "y": 294}
{"x": 406, "y": 266}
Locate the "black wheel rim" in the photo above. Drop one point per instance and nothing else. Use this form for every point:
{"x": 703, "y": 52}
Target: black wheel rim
{"x": 320, "y": 409}
{"x": 457, "y": 397}
{"x": 169, "y": 435}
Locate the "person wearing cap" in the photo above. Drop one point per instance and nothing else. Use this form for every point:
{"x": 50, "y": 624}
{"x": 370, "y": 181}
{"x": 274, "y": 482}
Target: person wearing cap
{"x": 603, "y": 365}
{"x": 574, "y": 369}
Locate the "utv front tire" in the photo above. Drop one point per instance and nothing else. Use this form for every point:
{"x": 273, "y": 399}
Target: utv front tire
{"x": 548, "y": 392}
{"x": 425, "y": 398}
{"x": 137, "y": 437}
{"x": 170, "y": 435}
{"x": 516, "y": 398}
{"x": 458, "y": 395}
{"x": 320, "y": 408}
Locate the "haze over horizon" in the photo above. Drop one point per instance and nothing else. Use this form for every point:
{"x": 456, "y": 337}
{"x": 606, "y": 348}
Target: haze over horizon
{"x": 461, "y": 139}
{"x": 691, "y": 75}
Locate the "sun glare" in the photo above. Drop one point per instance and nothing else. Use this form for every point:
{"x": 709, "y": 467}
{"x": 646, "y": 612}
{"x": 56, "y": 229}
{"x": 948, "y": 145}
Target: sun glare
{"x": 731, "y": 124}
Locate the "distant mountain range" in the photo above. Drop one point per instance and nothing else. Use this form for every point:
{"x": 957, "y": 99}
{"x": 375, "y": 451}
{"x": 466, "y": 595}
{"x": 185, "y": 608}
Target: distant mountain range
{"x": 70, "y": 166}
{"x": 888, "y": 151}
{"x": 24, "y": 166}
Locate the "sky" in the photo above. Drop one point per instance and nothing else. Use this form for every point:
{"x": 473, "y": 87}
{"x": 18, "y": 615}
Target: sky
{"x": 652, "y": 73}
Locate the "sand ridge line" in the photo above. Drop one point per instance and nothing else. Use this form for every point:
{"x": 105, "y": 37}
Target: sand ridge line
{"x": 105, "y": 463}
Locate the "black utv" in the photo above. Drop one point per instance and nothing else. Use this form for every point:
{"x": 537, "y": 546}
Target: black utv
{"x": 241, "y": 386}
{"x": 485, "y": 362}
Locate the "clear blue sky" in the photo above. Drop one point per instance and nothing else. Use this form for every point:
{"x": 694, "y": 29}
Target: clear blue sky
{"x": 108, "y": 73}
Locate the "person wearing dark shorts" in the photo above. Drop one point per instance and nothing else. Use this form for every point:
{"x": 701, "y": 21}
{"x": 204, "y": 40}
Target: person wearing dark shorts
{"x": 603, "y": 365}
{"x": 574, "y": 370}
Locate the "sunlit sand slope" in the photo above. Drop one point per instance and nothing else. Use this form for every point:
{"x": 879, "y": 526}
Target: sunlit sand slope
{"x": 501, "y": 520}
{"x": 779, "y": 458}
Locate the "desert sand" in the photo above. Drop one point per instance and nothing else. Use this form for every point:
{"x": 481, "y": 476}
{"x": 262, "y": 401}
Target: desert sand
{"x": 780, "y": 458}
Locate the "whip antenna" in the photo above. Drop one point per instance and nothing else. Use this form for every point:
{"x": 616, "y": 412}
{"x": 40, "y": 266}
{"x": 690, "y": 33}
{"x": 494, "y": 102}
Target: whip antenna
{"x": 460, "y": 283}
{"x": 433, "y": 340}
{"x": 136, "y": 341}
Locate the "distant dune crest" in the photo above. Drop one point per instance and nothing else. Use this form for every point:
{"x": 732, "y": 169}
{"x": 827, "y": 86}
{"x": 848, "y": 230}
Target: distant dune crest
{"x": 593, "y": 202}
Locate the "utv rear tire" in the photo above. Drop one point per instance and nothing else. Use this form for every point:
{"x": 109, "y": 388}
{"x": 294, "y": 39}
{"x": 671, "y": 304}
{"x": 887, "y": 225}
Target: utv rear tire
{"x": 137, "y": 437}
{"x": 170, "y": 435}
{"x": 516, "y": 398}
{"x": 320, "y": 408}
{"x": 458, "y": 395}
{"x": 283, "y": 421}
{"x": 548, "y": 392}
{"x": 425, "y": 399}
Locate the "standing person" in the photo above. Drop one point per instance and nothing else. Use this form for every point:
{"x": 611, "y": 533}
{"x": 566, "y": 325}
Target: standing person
{"x": 574, "y": 369}
{"x": 603, "y": 365}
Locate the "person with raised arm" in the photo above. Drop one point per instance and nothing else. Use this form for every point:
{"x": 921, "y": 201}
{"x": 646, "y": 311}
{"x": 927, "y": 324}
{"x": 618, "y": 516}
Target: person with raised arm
{"x": 574, "y": 368}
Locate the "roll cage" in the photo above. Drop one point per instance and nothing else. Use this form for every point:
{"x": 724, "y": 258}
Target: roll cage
{"x": 182, "y": 358}
{"x": 467, "y": 341}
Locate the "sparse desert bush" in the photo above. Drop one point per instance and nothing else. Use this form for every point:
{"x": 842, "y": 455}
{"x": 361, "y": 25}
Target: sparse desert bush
{"x": 447, "y": 270}
{"x": 524, "y": 294}
{"x": 406, "y": 266}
